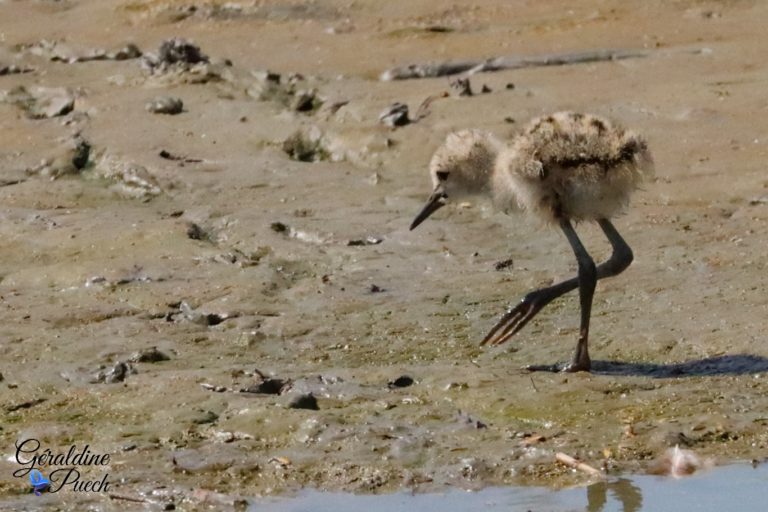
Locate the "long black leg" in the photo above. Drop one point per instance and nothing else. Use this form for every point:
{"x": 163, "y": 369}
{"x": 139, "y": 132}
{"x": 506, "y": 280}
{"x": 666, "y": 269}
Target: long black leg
{"x": 517, "y": 317}
{"x": 587, "y": 277}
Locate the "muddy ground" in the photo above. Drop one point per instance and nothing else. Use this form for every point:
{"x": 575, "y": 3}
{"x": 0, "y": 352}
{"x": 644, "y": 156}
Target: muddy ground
{"x": 236, "y": 261}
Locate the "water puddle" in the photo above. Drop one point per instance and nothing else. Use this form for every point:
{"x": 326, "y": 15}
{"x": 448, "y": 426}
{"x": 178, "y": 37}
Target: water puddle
{"x": 736, "y": 487}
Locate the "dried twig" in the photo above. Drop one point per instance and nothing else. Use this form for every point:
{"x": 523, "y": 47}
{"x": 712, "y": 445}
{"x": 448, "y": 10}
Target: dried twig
{"x": 423, "y": 110}
{"x": 506, "y": 63}
{"x": 127, "y": 498}
{"x": 576, "y": 464}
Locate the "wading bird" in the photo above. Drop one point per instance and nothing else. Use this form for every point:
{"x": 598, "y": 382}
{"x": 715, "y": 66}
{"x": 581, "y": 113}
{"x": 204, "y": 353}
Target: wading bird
{"x": 563, "y": 168}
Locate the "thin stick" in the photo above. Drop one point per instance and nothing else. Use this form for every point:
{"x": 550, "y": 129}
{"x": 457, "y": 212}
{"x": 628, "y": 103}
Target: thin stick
{"x": 534, "y": 385}
{"x": 506, "y": 63}
{"x": 574, "y": 463}
{"x": 127, "y": 498}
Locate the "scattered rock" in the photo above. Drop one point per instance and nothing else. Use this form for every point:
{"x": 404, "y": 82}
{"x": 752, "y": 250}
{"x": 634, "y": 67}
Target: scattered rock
{"x": 195, "y": 232}
{"x": 369, "y": 240}
{"x": 306, "y": 101}
{"x": 40, "y": 102}
{"x": 759, "y": 200}
{"x": 25, "y": 405}
{"x": 486, "y": 89}
{"x": 376, "y": 289}
{"x": 279, "y": 227}
{"x": 212, "y": 387}
{"x": 304, "y": 401}
{"x": 395, "y": 115}
{"x": 165, "y": 105}
{"x": 306, "y": 146}
{"x": 127, "y": 52}
{"x": 268, "y": 386}
{"x": 149, "y": 355}
{"x": 71, "y": 159}
{"x": 13, "y": 69}
{"x": 199, "y": 318}
{"x": 503, "y": 264}
{"x": 401, "y": 382}
{"x": 204, "y": 417}
{"x": 461, "y": 87}
{"x": 129, "y": 179}
{"x": 510, "y": 86}
{"x": 118, "y": 373}
{"x": 174, "y": 54}
{"x": 60, "y": 52}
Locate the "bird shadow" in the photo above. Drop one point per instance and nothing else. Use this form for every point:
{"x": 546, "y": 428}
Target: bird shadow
{"x": 739, "y": 364}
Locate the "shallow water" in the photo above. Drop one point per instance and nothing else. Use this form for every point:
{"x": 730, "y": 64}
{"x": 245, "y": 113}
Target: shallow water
{"x": 732, "y": 487}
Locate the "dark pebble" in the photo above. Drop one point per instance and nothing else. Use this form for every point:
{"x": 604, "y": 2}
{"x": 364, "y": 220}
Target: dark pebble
{"x": 150, "y": 355}
{"x": 395, "y": 115}
{"x": 117, "y": 373}
{"x": 509, "y": 120}
{"x": 503, "y": 264}
{"x": 510, "y": 86}
{"x": 376, "y": 289}
{"x": 214, "y": 319}
{"x": 195, "y": 232}
{"x": 278, "y": 227}
{"x": 307, "y": 401}
{"x": 267, "y": 387}
{"x": 401, "y": 382}
{"x": 206, "y": 417}
{"x": 486, "y": 89}
{"x": 461, "y": 87}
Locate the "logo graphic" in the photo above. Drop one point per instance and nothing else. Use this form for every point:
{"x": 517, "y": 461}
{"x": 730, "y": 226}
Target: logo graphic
{"x": 70, "y": 469}
{"x": 39, "y": 482}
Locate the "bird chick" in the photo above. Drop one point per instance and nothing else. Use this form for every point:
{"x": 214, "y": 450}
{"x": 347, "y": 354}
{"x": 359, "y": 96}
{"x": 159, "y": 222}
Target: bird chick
{"x": 563, "y": 167}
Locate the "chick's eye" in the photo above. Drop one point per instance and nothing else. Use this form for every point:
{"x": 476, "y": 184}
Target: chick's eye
{"x": 442, "y": 175}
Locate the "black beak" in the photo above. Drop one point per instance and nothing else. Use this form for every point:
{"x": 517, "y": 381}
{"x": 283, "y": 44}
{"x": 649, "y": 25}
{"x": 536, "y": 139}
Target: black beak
{"x": 434, "y": 203}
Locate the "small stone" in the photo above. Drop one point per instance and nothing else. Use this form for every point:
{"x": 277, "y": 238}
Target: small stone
{"x": 165, "y": 105}
{"x": 269, "y": 386}
{"x": 129, "y": 51}
{"x": 278, "y": 227}
{"x": 510, "y": 86}
{"x": 306, "y": 145}
{"x": 486, "y": 89}
{"x": 175, "y": 53}
{"x": 395, "y": 115}
{"x": 195, "y": 232}
{"x": 369, "y": 240}
{"x": 306, "y": 101}
{"x": 41, "y": 102}
{"x": 205, "y": 417}
{"x": 401, "y": 382}
{"x": 212, "y": 387}
{"x": 150, "y": 355}
{"x": 118, "y": 373}
{"x": 503, "y": 264}
{"x": 461, "y": 87}
{"x": 307, "y": 401}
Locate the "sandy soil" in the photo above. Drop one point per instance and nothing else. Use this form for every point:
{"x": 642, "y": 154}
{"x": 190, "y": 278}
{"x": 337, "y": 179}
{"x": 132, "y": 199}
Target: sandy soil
{"x": 95, "y": 264}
